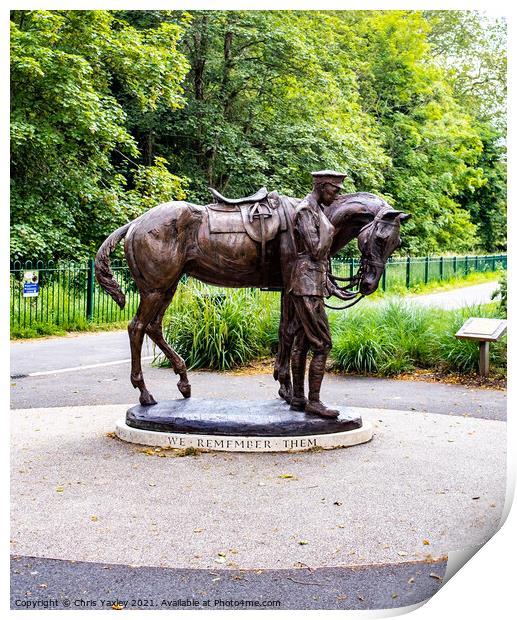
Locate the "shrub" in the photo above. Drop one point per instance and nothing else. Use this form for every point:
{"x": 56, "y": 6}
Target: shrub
{"x": 221, "y": 330}
{"x": 394, "y": 337}
{"x": 458, "y": 355}
{"x": 387, "y": 338}
{"x": 503, "y": 292}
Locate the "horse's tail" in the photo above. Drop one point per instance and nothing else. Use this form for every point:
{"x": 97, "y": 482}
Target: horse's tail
{"x": 103, "y": 271}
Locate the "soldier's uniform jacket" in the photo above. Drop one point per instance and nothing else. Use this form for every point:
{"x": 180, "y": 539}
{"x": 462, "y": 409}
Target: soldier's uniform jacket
{"x": 313, "y": 236}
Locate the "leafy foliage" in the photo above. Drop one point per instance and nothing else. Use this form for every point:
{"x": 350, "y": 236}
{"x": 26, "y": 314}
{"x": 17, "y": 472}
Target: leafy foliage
{"x": 68, "y": 69}
{"x": 502, "y": 291}
{"x": 116, "y": 111}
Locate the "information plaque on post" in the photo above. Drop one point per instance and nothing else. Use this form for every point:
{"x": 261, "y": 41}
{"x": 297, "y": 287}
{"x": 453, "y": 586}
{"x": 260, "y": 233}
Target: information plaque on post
{"x": 485, "y": 331}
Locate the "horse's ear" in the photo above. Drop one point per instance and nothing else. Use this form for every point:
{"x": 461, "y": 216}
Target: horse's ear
{"x": 391, "y": 215}
{"x": 367, "y": 217}
{"x": 404, "y": 216}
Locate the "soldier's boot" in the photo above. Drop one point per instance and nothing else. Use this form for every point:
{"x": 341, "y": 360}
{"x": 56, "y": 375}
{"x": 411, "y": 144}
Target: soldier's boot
{"x": 316, "y": 372}
{"x": 298, "y": 361}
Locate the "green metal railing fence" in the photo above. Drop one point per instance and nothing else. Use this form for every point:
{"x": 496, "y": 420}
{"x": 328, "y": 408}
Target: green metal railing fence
{"x": 410, "y": 271}
{"x": 69, "y": 295}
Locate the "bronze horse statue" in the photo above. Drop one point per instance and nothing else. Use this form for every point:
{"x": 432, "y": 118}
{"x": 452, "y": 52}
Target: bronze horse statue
{"x": 238, "y": 243}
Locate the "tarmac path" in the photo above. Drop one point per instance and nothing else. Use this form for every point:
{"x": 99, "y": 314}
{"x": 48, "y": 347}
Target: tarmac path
{"x": 95, "y": 519}
{"x": 458, "y": 298}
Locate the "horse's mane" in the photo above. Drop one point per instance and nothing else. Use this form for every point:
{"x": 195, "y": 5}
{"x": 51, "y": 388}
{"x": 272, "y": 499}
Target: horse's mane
{"x": 371, "y": 201}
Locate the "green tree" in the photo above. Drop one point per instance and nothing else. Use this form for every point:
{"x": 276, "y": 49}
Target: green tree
{"x": 72, "y": 155}
{"x": 268, "y": 101}
{"x": 434, "y": 145}
{"x": 472, "y": 48}
{"x": 115, "y": 111}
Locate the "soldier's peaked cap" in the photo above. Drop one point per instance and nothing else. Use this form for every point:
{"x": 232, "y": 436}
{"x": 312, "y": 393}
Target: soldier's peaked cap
{"x": 329, "y": 176}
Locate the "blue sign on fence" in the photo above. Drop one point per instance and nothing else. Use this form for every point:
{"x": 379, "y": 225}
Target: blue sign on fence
{"x": 30, "y": 283}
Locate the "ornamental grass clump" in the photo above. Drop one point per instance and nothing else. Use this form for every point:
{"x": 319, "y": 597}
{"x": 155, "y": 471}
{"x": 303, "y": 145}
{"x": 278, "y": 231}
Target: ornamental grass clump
{"x": 221, "y": 330}
{"x": 394, "y": 337}
{"x": 385, "y": 338}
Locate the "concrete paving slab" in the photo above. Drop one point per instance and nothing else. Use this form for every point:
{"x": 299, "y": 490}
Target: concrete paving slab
{"x": 424, "y": 486}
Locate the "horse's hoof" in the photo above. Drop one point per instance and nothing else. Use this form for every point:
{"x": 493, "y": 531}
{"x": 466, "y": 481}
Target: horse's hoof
{"x": 184, "y": 388}
{"x": 147, "y": 399}
{"x": 284, "y": 393}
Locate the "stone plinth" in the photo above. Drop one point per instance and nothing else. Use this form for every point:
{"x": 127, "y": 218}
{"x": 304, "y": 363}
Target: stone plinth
{"x": 239, "y": 426}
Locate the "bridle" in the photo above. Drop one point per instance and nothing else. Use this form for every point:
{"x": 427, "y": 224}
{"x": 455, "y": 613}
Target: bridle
{"x": 355, "y": 280}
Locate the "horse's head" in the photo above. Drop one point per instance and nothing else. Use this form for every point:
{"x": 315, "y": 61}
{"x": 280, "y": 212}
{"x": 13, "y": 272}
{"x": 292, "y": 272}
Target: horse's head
{"x": 377, "y": 241}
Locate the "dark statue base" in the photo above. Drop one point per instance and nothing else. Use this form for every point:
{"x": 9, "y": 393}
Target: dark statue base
{"x": 238, "y": 426}
{"x": 271, "y": 418}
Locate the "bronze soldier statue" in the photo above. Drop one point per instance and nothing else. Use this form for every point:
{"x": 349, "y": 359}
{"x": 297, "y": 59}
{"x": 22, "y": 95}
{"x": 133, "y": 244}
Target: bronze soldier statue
{"x": 309, "y": 284}
{"x": 264, "y": 240}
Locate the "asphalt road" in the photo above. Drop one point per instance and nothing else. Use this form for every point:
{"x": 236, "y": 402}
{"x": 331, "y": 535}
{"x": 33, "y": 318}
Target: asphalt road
{"x": 467, "y": 296}
{"x": 73, "y": 376}
{"x": 42, "y": 355}
{"x": 58, "y": 584}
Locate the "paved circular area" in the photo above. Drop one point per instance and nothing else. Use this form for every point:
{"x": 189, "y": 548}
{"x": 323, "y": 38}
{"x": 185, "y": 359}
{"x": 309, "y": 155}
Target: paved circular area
{"x": 426, "y": 485}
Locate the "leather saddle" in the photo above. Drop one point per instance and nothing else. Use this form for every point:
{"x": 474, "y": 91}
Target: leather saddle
{"x": 259, "y": 216}
{"x": 256, "y": 197}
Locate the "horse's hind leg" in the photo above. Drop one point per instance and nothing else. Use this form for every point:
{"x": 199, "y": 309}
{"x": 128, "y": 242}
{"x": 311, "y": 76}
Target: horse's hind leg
{"x": 150, "y": 304}
{"x": 286, "y": 333}
{"x": 154, "y": 331}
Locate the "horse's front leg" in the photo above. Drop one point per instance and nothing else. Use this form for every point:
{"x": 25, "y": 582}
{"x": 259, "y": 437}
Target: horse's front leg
{"x": 150, "y": 304}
